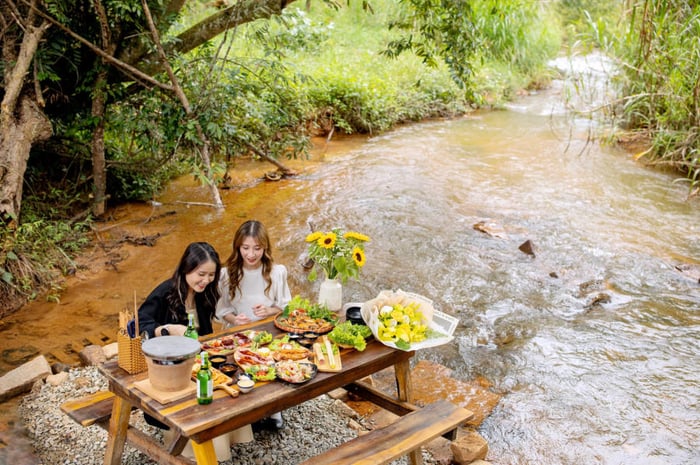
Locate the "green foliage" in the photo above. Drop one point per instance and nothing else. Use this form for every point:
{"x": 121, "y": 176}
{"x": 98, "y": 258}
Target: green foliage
{"x": 589, "y": 22}
{"x": 516, "y": 33}
{"x": 353, "y": 88}
{"x": 33, "y": 253}
{"x": 660, "y": 82}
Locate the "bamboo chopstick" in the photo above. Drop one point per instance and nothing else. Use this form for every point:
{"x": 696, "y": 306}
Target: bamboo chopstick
{"x": 136, "y": 318}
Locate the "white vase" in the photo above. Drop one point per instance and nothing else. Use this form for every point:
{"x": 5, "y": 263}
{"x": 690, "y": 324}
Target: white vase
{"x": 331, "y": 294}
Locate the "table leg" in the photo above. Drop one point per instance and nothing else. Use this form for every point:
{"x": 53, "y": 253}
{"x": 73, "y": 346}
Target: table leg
{"x": 204, "y": 453}
{"x": 118, "y": 426}
{"x": 402, "y": 371}
{"x": 404, "y": 387}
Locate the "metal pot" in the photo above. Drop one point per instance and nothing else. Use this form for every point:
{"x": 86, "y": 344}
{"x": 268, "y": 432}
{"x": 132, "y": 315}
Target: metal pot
{"x": 170, "y": 360}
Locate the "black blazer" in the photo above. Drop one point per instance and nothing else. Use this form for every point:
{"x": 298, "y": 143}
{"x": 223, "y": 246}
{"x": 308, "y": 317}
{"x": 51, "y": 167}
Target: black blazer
{"x": 155, "y": 311}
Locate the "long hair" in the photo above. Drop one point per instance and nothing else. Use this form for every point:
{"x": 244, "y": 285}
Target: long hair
{"x": 234, "y": 263}
{"x": 196, "y": 254}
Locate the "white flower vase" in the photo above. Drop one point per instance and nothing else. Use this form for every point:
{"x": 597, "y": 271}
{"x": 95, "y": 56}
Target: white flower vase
{"x": 331, "y": 294}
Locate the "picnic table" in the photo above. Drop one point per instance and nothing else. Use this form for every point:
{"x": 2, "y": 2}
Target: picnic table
{"x": 202, "y": 423}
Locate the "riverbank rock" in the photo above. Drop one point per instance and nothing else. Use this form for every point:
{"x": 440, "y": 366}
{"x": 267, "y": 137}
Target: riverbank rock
{"x": 21, "y": 379}
{"x": 111, "y": 350}
{"x": 92, "y": 355}
{"x": 57, "y": 379}
{"x": 469, "y": 447}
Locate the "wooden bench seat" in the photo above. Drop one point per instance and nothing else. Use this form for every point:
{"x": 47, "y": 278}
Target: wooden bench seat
{"x": 91, "y": 409}
{"x": 405, "y": 435}
{"x": 96, "y": 409}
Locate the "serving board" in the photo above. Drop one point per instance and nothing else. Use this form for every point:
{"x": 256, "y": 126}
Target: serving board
{"x": 164, "y": 397}
{"x": 322, "y": 360}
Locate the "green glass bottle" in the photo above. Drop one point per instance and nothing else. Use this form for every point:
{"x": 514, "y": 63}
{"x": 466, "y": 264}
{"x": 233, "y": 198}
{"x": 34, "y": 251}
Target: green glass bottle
{"x": 191, "y": 330}
{"x": 205, "y": 381}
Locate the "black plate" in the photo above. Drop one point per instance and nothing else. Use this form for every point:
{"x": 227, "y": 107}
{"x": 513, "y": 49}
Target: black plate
{"x": 313, "y": 369}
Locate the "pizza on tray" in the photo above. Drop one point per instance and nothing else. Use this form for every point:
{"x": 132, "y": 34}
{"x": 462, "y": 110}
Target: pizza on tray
{"x": 246, "y": 357}
{"x": 298, "y": 321}
{"x": 226, "y": 344}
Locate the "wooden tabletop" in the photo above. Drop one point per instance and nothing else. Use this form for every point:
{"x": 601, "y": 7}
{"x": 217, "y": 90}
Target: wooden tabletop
{"x": 204, "y": 422}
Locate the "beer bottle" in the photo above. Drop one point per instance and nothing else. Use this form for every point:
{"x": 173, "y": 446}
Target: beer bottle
{"x": 205, "y": 382}
{"x": 191, "y": 330}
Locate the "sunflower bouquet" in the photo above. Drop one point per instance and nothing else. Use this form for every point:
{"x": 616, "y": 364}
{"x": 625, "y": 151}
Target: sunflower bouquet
{"x": 339, "y": 254}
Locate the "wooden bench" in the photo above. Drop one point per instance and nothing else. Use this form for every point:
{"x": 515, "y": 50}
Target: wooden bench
{"x": 407, "y": 434}
{"x": 91, "y": 409}
{"x": 96, "y": 409}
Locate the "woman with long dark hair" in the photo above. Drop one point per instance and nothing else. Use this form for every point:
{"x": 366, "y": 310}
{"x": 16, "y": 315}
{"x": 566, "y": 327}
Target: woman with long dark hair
{"x": 193, "y": 288}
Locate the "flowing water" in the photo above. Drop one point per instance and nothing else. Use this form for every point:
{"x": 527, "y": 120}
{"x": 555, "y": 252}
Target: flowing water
{"x": 593, "y": 341}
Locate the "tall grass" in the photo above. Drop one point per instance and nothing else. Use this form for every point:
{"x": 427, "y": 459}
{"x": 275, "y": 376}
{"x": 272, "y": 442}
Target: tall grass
{"x": 661, "y": 82}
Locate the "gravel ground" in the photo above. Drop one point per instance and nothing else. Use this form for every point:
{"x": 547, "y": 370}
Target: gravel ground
{"x": 311, "y": 428}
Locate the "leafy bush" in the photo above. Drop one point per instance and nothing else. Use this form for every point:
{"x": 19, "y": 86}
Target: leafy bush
{"x": 33, "y": 256}
{"x": 659, "y": 82}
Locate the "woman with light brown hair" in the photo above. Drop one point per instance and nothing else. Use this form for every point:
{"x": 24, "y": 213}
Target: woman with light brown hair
{"x": 252, "y": 285}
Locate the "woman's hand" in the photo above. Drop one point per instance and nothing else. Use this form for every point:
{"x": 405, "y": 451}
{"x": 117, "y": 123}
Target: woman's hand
{"x": 174, "y": 330}
{"x": 262, "y": 311}
{"x": 237, "y": 320}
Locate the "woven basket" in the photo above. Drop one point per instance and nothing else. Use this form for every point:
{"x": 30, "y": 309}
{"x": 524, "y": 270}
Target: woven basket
{"x": 130, "y": 356}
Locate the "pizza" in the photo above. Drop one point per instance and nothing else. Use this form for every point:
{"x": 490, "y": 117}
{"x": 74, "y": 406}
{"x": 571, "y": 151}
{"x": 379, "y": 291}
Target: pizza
{"x": 227, "y": 344}
{"x": 298, "y": 321}
{"x": 246, "y": 357}
{"x": 291, "y": 353}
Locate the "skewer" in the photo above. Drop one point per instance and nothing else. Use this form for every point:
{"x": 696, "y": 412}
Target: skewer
{"x": 136, "y": 318}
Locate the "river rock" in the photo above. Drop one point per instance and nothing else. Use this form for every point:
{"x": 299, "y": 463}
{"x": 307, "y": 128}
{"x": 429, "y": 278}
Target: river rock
{"x": 57, "y": 379}
{"x": 598, "y": 300}
{"x": 527, "y": 247}
{"x": 589, "y": 287}
{"x": 58, "y": 367}
{"x": 92, "y": 355}
{"x": 492, "y": 229}
{"x": 469, "y": 447}
{"x": 111, "y": 350}
{"x": 22, "y": 378}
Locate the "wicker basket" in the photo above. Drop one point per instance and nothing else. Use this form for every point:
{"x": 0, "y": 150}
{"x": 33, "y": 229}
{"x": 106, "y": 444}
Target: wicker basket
{"x": 130, "y": 356}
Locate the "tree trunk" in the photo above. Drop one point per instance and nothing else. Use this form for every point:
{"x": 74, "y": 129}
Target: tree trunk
{"x": 99, "y": 166}
{"x": 29, "y": 125}
{"x": 99, "y": 106}
{"x": 22, "y": 122}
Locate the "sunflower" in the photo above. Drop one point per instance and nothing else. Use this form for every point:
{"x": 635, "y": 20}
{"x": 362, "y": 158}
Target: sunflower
{"x": 358, "y": 256}
{"x": 356, "y": 235}
{"x": 314, "y": 236}
{"x": 327, "y": 241}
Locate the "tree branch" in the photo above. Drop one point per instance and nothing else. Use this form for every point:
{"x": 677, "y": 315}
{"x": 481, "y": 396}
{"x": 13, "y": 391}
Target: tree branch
{"x": 126, "y": 68}
{"x": 185, "y": 103}
{"x": 15, "y": 76}
{"x": 242, "y": 12}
